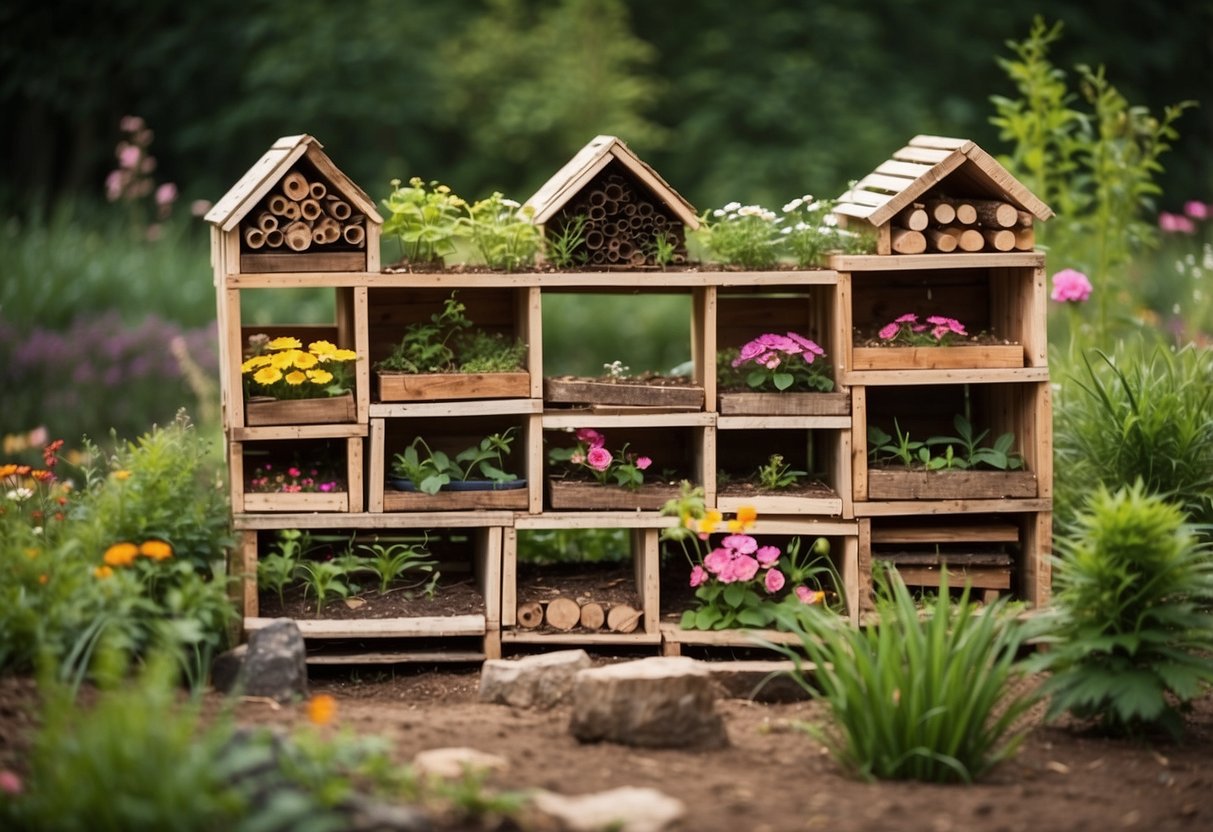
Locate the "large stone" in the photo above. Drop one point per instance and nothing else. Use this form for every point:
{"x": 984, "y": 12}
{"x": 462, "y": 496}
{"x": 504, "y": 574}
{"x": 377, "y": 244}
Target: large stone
{"x": 658, "y": 702}
{"x": 454, "y": 763}
{"x": 273, "y": 664}
{"x": 628, "y": 809}
{"x": 538, "y": 681}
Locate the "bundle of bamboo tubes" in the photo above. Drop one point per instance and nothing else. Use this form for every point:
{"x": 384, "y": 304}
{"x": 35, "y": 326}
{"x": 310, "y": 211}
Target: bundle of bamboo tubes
{"x": 302, "y": 214}
{"x": 619, "y": 225}
{"x": 944, "y": 224}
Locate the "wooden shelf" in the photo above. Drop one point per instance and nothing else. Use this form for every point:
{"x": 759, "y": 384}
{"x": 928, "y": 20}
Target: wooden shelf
{"x": 421, "y": 627}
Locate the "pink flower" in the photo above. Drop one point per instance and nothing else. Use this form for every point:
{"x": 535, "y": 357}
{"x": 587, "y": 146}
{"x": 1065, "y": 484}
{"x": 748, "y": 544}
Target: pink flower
{"x": 741, "y": 544}
{"x": 1170, "y": 223}
{"x": 115, "y": 182}
{"x": 810, "y": 348}
{"x": 10, "y": 783}
{"x": 717, "y": 561}
{"x": 779, "y": 342}
{"x": 749, "y": 351}
{"x": 128, "y": 156}
{"x": 767, "y": 555}
{"x": 773, "y": 581}
{"x": 199, "y": 207}
{"x": 643, "y": 463}
{"x": 742, "y": 568}
{"x": 889, "y": 331}
{"x": 591, "y": 437}
{"x": 1196, "y": 210}
{"x": 293, "y": 471}
{"x": 577, "y": 458}
{"x": 166, "y": 194}
{"x": 698, "y": 576}
{"x": 772, "y": 361}
{"x": 599, "y": 458}
{"x": 908, "y": 318}
{"x": 131, "y": 124}
{"x": 1070, "y": 285}
{"x": 809, "y": 596}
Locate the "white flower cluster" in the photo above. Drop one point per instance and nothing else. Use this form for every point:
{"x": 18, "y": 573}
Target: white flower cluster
{"x": 735, "y": 210}
{"x": 19, "y": 495}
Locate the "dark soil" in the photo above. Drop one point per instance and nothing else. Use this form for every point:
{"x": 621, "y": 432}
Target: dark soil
{"x": 772, "y": 777}
{"x": 453, "y": 597}
{"x": 809, "y": 490}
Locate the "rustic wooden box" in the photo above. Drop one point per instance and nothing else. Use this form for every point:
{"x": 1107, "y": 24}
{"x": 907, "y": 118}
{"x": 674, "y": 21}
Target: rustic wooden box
{"x": 275, "y": 445}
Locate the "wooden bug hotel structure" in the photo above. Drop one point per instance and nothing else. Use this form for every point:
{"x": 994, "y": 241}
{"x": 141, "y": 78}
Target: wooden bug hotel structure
{"x": 991, "y": 526}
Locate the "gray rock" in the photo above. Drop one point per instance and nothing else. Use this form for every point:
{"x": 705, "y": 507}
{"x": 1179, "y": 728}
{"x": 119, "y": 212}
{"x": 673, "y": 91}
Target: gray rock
{"x": 628, "y": 809}
{"x": 658, "y": 702}
{"x": 538, "y": 681}
{"x": 453, "y": 763}
{"x": 227, "y": 667}
{"x": 273, "y": 664}
{"x": 366, "y": 814}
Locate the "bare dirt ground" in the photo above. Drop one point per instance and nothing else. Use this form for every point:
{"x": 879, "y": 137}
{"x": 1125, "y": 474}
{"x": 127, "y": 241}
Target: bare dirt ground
{"x": 771, "y": 777}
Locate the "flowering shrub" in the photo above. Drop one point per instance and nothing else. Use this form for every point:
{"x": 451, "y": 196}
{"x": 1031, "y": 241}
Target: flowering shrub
{"x": 590, "y": 456}
{"x": 282, "y": 369}
{"x": 1070, "y": 285}
{"x": 906, "y": 330}
{"x": 132, "y": 181}
{"x": 784, "y": 362}
{"x": 292, "y": 479}
{"x": 738, "y": 581}
{"x": 754, "y": 237}
{"x": 426, "y": 221}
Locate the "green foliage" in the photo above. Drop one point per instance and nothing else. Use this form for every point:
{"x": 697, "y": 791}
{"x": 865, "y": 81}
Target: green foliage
{"x": 1139, "y": 411}
{"x": 392, "y": 562}
{"x": 562, "y": 244}
{"x": 754, "y": 237}
{"x": 427, "y": 220}
{"x": 325, "y": 580}
{"x": 502, "y": 232}
{"x": 276, "y": 570}
{"x": 1130, "y": 632}
{"x": 545, "y": 546}
{"x": 450, "y": 343}
{"x": 430, "y": 469}
{"x": 776, "y": 474}
{"x": 962, "y": 451}
{"x": 929, "y": 698}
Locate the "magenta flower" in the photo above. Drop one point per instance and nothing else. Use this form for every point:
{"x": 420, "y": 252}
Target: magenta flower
{"x": 717, "y": 561}
{"x": 908, "y": 318}
{"x": 749, "y": 351}
{"x": 591, "y": 437}
{"x": 128, "y": 156}
{"x": 1196, "y": 210}
{"x": 698, "y": 576}
{"x": 773, "y": 581}
{"x": 598, "y": 458}
{"x": 166, "y": 194}
{"x": 889, "y": 331}
{"x": 643, "y": 463}
{"x": 1170, "y": 223}
{"x": 767, "y": 555}
{"x": 742, "y": 568}
{"x": 10, "y": 783}
{"x": 741, "y": 544}
{"x": 1070, "y": 285}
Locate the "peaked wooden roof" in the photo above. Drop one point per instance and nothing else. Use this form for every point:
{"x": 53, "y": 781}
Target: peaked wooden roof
{"x": 922, "y": 164}
{"x": 271, "y": 167}
{"x": 588, "y": 162}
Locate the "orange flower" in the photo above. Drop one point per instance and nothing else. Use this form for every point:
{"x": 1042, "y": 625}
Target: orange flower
{"x": 103, "y": 572}
{"x": 121, "y": 554}
{"x": 43, "y": 578}
{"x": 710, "y": 521}
{"x": 155, "y": 549}
{"x": 746, "y": 515}
{"x": 321, "y": 709}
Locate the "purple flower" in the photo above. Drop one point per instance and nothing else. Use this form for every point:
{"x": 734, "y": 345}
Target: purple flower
{"x": 1070, "y": 285}
{"x": 1170, "y": 223}
{"x": 749, "y": 351}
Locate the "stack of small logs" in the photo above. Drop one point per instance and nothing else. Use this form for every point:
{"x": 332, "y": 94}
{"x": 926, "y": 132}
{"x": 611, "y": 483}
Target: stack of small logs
{"x": 945, "y": 224}
{"x": 300, "y": 215}
{"x": 563, "y": 613}
{"x": 621, "y": 225}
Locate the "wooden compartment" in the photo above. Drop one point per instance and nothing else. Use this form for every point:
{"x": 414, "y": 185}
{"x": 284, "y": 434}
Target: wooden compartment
{"x": 465, "y": 604}
{"x": 819, "y": 446}
{"x": 268, "y": 454}
{"x": 922, "y": 412}
{"x": 451, "y": 435}
{"x": 509, "y": 312}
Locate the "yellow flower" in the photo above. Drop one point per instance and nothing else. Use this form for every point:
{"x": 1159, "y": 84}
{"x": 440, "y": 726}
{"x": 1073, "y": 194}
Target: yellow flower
{"x": 255, "y": 363}
{"x": 267, "y": 375}
{"x": 321, "y": 709}
{"x": 304, "y": 360}
{"x": 340, "y": 355}
{"x": 31, "y": 552}
{"x": 100, "y": 573}
{"x": 295, "y": 378}
{"x": 121, "y": 554}
{"x": 710, "y": 521}
{"x": 320, "y": 376}
{"x": 155, "y": 549}
{"x": 282, "y": 360}
{"x": 121, "y": 475}
{"x": 322, "y": 348}
{"x": 285, "y": 342}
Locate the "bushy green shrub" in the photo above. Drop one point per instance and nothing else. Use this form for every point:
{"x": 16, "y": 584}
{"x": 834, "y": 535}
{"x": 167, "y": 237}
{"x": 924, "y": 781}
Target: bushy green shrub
{"x": 930, "y": 698}
{"x": 1130, "y": 630}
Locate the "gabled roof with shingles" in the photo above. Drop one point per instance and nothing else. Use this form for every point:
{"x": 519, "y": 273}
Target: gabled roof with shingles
{"x": 266, "y": 172}
{"x": 924, "y": 163}
{"x": 587, "y": 163}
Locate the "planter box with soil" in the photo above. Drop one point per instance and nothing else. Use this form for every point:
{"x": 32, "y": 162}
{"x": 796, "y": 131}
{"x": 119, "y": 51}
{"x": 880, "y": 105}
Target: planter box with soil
{"x": 422, "y": 387}
{"x": 579, "y": 494}
{"x": 457, "y": 496}
{"x": 911, "y": 484}
{"x": 262, "y": 411}
{"x": 658, "y": 392}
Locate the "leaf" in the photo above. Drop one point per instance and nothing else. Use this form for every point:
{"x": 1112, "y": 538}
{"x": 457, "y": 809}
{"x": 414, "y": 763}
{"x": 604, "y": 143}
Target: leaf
{"x": 706, "y": 618}
{"x": 783, "y": 380}
{"x": 734, "y": 594}
{"x": 434, "y": 483}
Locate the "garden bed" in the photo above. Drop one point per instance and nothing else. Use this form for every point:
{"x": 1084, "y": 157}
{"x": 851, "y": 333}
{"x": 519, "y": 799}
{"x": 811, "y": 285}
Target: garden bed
{"x": 454, "y": 598}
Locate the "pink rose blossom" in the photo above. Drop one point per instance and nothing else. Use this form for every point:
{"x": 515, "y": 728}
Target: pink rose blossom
{"x": 749, "y": 351}
{"x": 889, "y": 331}
{"x": 767, "y": 555}
{"x": 643, "y": 463}
{"x": 717, "y": 561}
{"x": 591, "y": 437}
{"x": 1070, "y": 285}
{"x": 598, "y": 458}
{"x": 698, "y": 576}
{"x": 773, "y": 581}
{"x": 1170, "y": 223}
{"x": 1196, "y": 210}
{"x": 741, "y": 544}
{"x": 742, "y": 568}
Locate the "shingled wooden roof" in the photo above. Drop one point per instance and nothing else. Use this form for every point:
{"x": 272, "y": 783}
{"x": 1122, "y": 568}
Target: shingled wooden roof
{"x": 587, "y": 163}
{"x": 924, "y": 163}
{"x": 271, "y": 167}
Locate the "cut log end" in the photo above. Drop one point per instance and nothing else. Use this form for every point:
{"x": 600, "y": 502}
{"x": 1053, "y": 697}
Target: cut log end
{"x": 999, "y": 239}
{"x": 905, "y": 241}
{"x": 623, "y": 618}
{"x": 562, "y": 614}
{"x": 593, "y": 616}
{"x": 529, "y": 615}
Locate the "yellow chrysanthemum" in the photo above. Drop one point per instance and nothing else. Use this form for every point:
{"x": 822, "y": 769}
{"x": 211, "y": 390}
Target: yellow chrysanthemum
{"x": 121, "y": 554}
{"x": 101, "y": 573}
{"x": 267, "y": 375}
{"x": 296, "y": 377}
{"x": 305, "y": 360}
{"x": 320, "y": 376}
{"x": 285, "y": 342}
{"x": 282, "y": 360}
{"x": 156, "y": 549}
{"x": 343, "y": 355}
{"x": 255, "y": 363}
{"x": 321, "y": 709}
{"x": 322, "y": 348}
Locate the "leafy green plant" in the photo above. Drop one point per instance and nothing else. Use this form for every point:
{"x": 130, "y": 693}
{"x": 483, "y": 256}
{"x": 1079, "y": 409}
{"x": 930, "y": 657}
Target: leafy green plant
{"x": 776, "y": 474}
{"x": 430, "y": 469}
{"x": 931, "y": 698}
{"x": 785, "y": 363}
{"x": 1130, "y": 631}
{"x": 427, "y": 220}
{"x": 326, "y": 580}
{"x": 563, "y": 246}
{"x": 277, "y": 569}
{"x": 449, "y": 343}
{"x": 754, "y": 237}
{"x": 882, "y": 447}
{"x": 963, "y": 451}
{"x": 665, "y": 247}
{"x": 590, "y": 456}
{"x": 502, "y": 232}
{"x": 393, "y": 561}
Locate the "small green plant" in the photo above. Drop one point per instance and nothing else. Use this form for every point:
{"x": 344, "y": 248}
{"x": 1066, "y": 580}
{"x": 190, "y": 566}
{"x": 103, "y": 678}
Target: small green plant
{"x": 430, "y": 469}
{"x": 449, "y": 343}
{"x": 776, "y": 474}
{"x": 502, "y": 232}
{"x": 665, "y": 247}
{"x": 741, "y": 235}
{"x": 391, "y": 562}
{"x": 1130, "y": 631}
{"x": 564, "y": 247}
{"x": 325, "y": 580}
{"x": 427, "y": 220}
{"x": 883, "y": 447}
{"x": 963, "y": 451}
{"x": 930, "y": 698}
{"x": 276, "y": 570}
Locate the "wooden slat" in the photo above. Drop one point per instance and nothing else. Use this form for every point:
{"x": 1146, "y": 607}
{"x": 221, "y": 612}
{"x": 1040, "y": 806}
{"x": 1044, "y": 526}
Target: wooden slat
{"x": 780, "y": 504}
{"x": 871, "y": 262}
{"x": 256, "y": 182}
{"x": 421, "y": 626}
{"x": 876, "y": 200}
{"x": 984, "y": 533}
{"x": 553, "y": 419}
{"x": 437, "y": 655}
{"x": 979, "y": 577}
{"x": 949, "y": 559}
{"x": 909, "y": 170}
{"x": 985, "y": 356}
{"x": 332, "y": 501}
{"x": 337, "y": 431}
{"x": 900, "y": 508}
{"x": 579, "y": 638}
{"x": 940, "y": 143}
{"x": 594, "y": 520}
{"x": 725, "y": 638}
{"x": 782, "y": 422}
{"x": 884, "y": 378}
{"x": 925, "y": 155}
{"x": 308, "y": 261}
{"x": 435, "y": 519}
{"x": 883, "y": 182}
{"x": 861, "y": 212}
